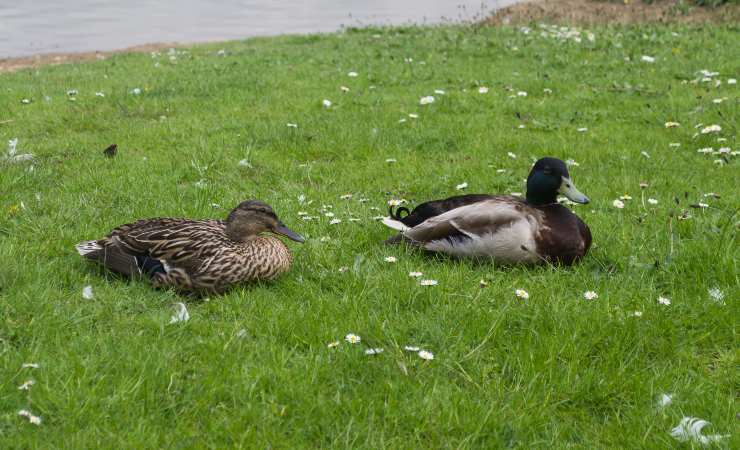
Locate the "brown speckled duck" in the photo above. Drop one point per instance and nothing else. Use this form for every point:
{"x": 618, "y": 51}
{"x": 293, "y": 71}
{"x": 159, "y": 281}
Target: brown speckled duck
{"x": 198, "y": 255}
{"x": 505, "y": 228}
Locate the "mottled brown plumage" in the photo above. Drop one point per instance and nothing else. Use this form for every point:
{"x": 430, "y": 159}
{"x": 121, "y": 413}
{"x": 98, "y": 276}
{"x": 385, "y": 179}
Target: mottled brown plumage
{"x": 198, "y": 255}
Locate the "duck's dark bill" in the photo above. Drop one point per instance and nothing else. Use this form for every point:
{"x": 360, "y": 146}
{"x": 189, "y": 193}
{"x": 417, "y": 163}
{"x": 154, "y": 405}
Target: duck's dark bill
{"x": 287, "y": 232}
{"x": 568, "y": 189}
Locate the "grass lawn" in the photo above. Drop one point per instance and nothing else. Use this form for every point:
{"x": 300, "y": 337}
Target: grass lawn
{"x": 251, "y": 369}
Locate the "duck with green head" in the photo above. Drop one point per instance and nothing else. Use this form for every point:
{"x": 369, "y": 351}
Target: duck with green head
{"x": 505, "y": 228}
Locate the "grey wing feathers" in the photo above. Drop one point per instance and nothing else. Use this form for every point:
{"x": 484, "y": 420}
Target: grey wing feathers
{"x": 474, "y": 219}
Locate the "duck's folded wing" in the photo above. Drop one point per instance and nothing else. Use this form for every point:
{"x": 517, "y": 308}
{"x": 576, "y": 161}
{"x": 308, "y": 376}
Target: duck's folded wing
{"x": 175, "y": 241}
{"x": 475, "y": 219}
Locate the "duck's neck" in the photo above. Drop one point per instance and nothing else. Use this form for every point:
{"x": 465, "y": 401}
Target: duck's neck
{"x": 241, "y": 232}
{"x": 541, "y": 190}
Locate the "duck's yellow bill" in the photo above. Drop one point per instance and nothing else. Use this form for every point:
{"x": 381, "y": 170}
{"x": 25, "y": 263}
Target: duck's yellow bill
{"x": 568, "y": 189}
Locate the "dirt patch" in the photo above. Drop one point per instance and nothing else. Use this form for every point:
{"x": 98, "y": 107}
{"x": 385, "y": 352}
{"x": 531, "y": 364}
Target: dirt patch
{"x": 590, "y": 12}
{"x": 24, "y": 62}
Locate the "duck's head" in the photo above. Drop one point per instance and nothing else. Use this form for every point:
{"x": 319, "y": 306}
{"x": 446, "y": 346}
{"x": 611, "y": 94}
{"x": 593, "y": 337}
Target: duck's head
{"x": 253, "y": 217}
{"x": 548, "y": 178}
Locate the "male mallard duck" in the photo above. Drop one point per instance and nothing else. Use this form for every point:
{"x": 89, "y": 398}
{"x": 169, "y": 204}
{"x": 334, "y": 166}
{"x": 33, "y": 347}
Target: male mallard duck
{"x": 198, "y": 255}
{"x": 505, "y": 228}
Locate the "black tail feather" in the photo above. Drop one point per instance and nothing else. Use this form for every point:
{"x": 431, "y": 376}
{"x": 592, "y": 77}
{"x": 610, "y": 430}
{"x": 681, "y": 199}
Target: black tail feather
{"x": 396, "y": 215}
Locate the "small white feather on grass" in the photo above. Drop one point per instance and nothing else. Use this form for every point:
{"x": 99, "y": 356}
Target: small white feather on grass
{"x": 26, "y": 386}
{"x": 36, "y": 420}
{"x": 664, "y": 400}
{"x": 426, "y": 355}
{"x": 87, "y": 293}
{"x": 689, "y": 429}
{"x": 181, "y": 313}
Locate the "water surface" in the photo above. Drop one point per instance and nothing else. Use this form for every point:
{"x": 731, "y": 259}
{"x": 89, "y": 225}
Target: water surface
{"x": 48, "y": 26}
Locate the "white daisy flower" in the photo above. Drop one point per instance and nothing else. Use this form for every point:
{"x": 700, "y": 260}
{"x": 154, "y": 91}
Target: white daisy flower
{"x": 637, "y": 314}
{"x": 664, "y": 301}
{"x": 181, "y": 313}
{"x": 344, "y": 88}
{"x": 332, "y": 344}
{"x": 326, "y": 103}
{"x": 329, "y": 214}
{"x": 647, "y": 59}
{"x": 521, "y": 293}
{"x": 353, "y": 338}
{"x": 672, "y": 124}
{"x": 72, "y": 92}
{"x": 390, "y": 259}
{"x": 415, "y": 274}
{"x": 674, "y": 144}
{"x": 426, "y": 100}
{"x": 352, "y": 74}
{"x": 414, "y": 116}
{"x": 428, "y": 282}
{"x": 346, "y": 196}
{"x": 511, "y": 155}
{"x": 410, "y": 348}
{"x": 396, "y": 202}
{"x": 618, "y": 204}
{"x": 652, "y": 201}
{"x": 625, "y": 197}
{"x": 374, "y": 351}
{"x": 99, "y": 94}
{"x": 711, "y": 129}
{"x": 461, "y": 186}
{"x": 582, "y": 130}
{"x": 439, "y": 92}
{"x": 343, "y": 269}
{"x": 135, "y": 91}
{"x": 590, "y": 295}
{"x": 521, "y": 94}
{"x": 335, "y": 221}
{"x": 482, "y": 90}
{"x": 426, "y": 355}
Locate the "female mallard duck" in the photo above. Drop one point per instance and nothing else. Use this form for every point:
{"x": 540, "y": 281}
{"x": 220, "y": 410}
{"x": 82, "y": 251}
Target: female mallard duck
{"x": 198, "y": 255}
{"x": 507, "y": 229}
